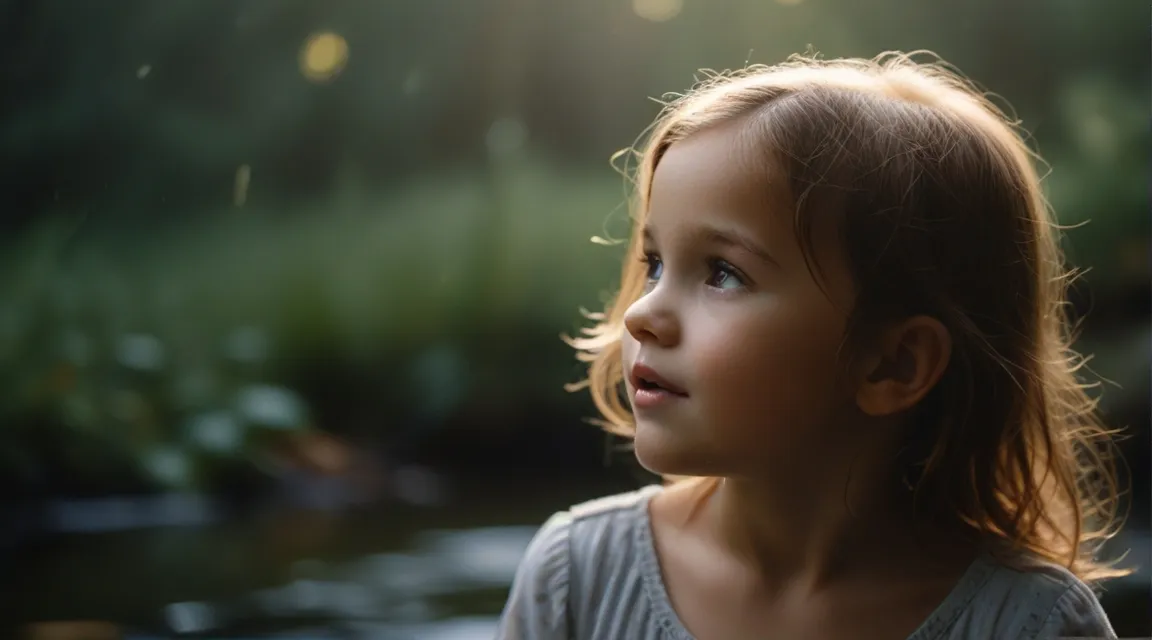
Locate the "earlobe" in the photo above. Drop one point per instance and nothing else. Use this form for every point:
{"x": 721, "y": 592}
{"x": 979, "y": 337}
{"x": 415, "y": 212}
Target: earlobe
{"x": 913, "y": 356}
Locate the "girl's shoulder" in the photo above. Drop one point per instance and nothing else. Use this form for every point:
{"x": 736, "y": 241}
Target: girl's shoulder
{"x": 582, "y": 559}
{"x": 1021, "y": 597}
{"x": 596, "y": 531}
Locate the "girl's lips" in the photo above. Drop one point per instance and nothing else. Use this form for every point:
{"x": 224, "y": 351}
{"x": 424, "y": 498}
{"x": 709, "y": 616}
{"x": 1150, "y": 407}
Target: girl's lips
{"x": 652, "y": 398}
{"x": 650, "y": 389}
{"x": 646, "y": 379}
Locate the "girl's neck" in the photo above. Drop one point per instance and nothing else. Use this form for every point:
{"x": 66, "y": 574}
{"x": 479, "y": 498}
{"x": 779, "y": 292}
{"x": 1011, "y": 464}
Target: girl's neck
{"x": 790, "y": 537}
{"x": 806, "y": 539}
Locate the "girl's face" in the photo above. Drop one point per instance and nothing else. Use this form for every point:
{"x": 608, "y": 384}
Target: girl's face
{"x": 732, "y": 321}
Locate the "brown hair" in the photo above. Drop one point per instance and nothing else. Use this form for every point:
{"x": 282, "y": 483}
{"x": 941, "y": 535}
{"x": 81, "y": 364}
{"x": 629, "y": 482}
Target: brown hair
{"x": 941, "y": 213}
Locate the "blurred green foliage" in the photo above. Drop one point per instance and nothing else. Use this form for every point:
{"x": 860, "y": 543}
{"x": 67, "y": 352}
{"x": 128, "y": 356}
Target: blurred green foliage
{"x": 153, "y": 345}
{"x": 425, "y": 212}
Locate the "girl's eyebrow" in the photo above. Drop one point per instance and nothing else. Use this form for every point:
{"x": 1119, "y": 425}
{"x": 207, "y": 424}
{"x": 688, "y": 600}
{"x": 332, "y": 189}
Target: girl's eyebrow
{"x": 714, "y": 235}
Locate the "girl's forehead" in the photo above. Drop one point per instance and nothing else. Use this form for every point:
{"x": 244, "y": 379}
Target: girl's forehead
{"x": 718, "y": 174}
{"x": 722, "y": 158}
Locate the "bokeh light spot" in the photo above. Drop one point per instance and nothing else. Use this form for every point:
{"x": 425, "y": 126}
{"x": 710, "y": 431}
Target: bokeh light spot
{"x": 240, "y": 185}
{"x": 413, "y": 82}
{"x": 323, "y": 56}
{"x": 506, "y": 136}
{"x": 789, "y": 3}
{"x": 657, "y": 10}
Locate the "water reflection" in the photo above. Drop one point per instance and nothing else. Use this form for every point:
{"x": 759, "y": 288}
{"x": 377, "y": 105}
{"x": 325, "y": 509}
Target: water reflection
{"x": 443, "y": 575}
{"x": 128, "y": 513}
{"x": 397, "y": 572}
{"x": 474, "y": 628}
{"x": 378, "y": 573}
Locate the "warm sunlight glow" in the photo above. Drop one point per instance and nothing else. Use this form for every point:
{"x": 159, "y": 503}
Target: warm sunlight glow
{"x": 657, "y": 10}
{"x": 323, "y": 57}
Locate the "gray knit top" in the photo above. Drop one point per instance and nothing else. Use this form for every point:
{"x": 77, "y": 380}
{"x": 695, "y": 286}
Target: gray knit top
{"x": 591, "y": 573}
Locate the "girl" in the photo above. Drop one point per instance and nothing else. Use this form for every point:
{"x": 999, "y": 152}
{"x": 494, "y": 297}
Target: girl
{"x": 841, "y": 327}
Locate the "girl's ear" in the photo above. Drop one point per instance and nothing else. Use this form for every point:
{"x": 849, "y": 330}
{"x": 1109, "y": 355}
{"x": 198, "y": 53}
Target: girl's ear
{"x": 908, "y": 361}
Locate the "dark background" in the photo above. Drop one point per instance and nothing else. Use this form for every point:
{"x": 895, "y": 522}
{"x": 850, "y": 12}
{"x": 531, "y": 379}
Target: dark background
{"x": 281, "y": 281}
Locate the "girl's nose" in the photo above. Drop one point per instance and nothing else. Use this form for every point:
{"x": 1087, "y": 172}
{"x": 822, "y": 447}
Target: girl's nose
{"x": 651, "y": 319}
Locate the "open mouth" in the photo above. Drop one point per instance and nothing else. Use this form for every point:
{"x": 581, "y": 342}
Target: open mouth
{"x": 649, "y": 385}
{"x": 646, "y": 379}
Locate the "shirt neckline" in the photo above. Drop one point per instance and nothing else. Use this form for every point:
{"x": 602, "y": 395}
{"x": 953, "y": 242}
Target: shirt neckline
{"x": 934, "y": 626}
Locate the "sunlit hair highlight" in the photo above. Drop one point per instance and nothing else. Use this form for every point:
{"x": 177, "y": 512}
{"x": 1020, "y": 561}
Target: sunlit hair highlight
{"x": 941, "y": 212}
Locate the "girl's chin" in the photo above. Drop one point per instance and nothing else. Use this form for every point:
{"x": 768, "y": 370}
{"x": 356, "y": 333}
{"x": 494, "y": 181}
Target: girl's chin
{"x": 666, "y": 454}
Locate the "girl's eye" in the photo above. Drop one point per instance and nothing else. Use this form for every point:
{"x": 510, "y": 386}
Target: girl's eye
{"x": 724, "y": 276}
{"x": 655, "y": 266}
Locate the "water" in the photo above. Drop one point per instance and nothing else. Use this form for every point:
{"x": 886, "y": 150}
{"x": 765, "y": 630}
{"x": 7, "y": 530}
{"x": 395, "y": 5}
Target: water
{"x": 395, "y": 572}
{"x": 174, "y": 567}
